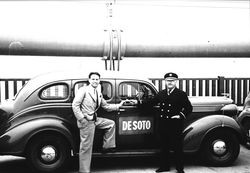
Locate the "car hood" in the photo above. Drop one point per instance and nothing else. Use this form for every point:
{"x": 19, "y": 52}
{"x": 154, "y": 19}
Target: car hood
{"x": 209, "y": 103}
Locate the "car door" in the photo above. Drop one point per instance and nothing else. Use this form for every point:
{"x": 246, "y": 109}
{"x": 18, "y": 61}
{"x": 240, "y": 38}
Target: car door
{"x": 136, "y": 127}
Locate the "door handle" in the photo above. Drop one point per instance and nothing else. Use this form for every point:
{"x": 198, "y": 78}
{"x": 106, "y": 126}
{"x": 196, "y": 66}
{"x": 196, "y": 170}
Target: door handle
{"x": 121, "y": 110}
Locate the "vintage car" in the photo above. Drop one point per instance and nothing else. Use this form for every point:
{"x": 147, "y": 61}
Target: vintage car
{"x": 244, "y": 118}
{"x": 39, "y": 123}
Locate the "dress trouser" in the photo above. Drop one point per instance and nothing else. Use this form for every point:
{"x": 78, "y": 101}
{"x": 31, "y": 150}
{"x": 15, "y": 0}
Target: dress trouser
{"x": 171, "y": 137}
{"x": 87, "y": 137}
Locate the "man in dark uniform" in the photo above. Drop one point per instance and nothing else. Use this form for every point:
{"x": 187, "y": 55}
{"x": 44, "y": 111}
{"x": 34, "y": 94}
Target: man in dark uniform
{"x": 175, "y": 107}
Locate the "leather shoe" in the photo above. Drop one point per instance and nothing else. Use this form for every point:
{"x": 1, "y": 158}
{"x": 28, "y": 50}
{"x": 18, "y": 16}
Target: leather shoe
{"x": 162, "y": 169}
{"x": 108, "y": 150}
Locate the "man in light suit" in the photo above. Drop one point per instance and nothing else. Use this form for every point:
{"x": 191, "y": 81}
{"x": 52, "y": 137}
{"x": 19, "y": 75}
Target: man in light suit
{"x": 85, "y": 104}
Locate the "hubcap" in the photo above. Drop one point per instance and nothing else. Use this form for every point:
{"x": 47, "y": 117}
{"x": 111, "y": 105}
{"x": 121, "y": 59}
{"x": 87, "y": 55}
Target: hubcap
{"x": 219, "y": 147}
{"x": 48, "y": 153}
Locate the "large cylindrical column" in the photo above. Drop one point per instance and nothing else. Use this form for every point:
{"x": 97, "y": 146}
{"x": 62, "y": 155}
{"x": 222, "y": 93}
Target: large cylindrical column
{"x": 197, "y": 29}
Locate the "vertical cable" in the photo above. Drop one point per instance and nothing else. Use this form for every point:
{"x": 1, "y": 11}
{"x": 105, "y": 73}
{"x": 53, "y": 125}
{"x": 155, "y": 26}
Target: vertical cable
{"x": 119, "y": 49}
{"x": 111, "y": 50}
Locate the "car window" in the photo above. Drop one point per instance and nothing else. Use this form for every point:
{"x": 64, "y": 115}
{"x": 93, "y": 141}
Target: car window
{"x": 133, "y": 90}
{"x": 58, "y": 91}
{"x": 78, "y": 85}
{"x": 106, "y": 88}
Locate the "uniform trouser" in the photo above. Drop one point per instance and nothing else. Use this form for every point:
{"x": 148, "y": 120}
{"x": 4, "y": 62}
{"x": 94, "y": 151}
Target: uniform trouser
{"x": 87, "y": 136}
{"x": 171, "y": 137}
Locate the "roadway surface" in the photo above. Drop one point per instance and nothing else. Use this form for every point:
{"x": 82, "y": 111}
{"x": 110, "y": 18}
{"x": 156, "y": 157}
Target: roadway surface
{"x": 11, "y": 164}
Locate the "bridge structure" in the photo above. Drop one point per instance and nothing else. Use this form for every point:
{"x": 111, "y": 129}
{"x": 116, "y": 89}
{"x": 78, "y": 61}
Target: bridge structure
{"x": 116, "y": 29}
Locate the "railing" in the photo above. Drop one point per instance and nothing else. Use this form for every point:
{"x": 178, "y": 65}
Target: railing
{"x": 9, "y": 87}
{"x": 193, "y": 86}
{"x": 236, "y": 88}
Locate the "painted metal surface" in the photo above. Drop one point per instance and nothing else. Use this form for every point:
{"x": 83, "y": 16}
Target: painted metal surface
{"x": 169, "y": 29}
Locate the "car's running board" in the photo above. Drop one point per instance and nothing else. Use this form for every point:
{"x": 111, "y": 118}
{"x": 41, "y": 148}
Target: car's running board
{"x": 127, "y": 153}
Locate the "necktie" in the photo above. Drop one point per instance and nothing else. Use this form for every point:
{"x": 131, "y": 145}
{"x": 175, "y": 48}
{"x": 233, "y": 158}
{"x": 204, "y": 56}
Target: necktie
{"x": 96, "y": 94}
{"x": 95, "y": 115}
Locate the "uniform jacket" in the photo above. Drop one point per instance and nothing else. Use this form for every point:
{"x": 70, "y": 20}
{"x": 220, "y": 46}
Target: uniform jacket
{"x": 175, "y": 103}
{"x": 85, "y": 102}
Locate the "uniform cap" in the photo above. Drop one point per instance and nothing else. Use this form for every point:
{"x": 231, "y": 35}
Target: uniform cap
{"x": 171, "y": 76}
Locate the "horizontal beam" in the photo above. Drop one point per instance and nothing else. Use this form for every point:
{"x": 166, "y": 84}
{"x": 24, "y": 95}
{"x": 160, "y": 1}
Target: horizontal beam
{"x": 80, "y": 29}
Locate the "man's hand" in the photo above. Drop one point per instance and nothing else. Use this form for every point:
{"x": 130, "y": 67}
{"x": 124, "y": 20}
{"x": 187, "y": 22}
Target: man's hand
{"x": 132, "y": 102}
{"x": 89, "y": 117}
{"x": 121, "y": 103}
{"x": 82, "y": 120}
{"x": 176, "y": 117}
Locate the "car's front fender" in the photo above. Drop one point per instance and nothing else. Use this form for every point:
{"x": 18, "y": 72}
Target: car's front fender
{"x": 196, "y": 132}
{"x": 14, "y": 140}
{"x": 243, "y": 116}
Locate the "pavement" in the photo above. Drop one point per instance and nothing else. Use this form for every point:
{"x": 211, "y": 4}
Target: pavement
{"x": 12, "y": 164}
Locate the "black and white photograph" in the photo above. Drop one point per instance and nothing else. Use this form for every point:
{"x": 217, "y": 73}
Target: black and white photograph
{"x": 124, "y": 86}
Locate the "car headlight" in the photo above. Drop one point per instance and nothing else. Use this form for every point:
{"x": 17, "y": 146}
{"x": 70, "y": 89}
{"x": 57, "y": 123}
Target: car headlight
{"x": 230, "y": 110}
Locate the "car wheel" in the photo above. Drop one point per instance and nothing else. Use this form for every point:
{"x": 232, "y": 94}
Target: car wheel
{"x": 221, "y": 148}
{"x": 48, "y": 153}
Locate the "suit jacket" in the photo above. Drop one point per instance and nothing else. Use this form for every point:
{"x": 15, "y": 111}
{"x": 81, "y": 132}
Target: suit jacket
{"x": 85, "y": 103}
{"x": 175, "y": 103}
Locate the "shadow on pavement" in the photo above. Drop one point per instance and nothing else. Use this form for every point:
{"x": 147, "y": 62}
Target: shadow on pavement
{"x": 11, "y": 164}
